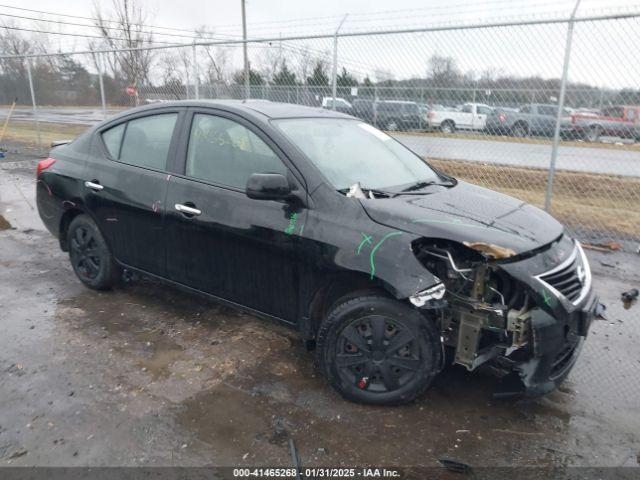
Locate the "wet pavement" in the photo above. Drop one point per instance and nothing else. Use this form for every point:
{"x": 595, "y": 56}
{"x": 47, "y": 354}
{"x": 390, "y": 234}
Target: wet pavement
{"x": 149, "y": 375}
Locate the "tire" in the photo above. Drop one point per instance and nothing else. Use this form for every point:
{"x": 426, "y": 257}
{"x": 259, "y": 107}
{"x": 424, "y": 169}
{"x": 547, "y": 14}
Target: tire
{"x": 447, "y": 127}
{"x": 90, "y": 256}
{"x": 520, "y": 130}
{"x": 594, "y": 133}
{"x": 392, "y": 126}
{"x": 356, "y": 354}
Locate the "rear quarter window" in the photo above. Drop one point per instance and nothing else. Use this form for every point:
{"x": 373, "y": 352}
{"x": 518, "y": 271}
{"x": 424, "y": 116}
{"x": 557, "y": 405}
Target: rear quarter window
{"x": 112, "y": 139}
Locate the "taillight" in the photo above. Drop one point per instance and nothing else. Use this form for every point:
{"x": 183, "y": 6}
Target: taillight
{"x": 502, "y": 117}
{"x": 431, "y": 115}
{"x": 44, "y": 164}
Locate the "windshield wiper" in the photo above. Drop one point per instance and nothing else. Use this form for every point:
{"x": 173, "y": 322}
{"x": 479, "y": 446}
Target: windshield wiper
{"x": 425, "y": 183}
{"x": 418, "y": 185}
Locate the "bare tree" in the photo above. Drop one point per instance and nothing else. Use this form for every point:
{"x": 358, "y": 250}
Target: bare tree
{"x": 216, "y": 68}
{"x": 129, "y": 16}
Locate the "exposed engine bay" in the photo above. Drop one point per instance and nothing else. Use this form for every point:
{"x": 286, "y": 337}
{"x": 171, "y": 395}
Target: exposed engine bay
{"x": 489, "y": 317}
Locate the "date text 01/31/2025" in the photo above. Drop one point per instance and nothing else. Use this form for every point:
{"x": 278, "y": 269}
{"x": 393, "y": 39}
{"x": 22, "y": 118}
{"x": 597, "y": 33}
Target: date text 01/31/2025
{"x": 312, "y": 473}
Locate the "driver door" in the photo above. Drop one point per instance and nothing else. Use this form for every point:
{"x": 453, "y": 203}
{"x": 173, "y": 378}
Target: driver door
{"x": 243, "y": 250}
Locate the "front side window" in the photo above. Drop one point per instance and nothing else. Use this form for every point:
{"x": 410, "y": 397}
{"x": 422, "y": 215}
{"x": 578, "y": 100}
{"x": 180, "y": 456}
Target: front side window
{"x": 225, "y": 152}
{"x": 348, "y": 151}
{"x": 484, "y": 110}
{"x": 146, "y": 141}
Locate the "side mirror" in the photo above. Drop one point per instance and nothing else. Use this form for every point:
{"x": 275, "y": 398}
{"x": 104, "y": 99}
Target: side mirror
{"x": 268, "y": 186}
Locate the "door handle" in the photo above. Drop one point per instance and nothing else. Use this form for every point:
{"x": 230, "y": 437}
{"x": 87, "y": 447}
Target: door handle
{"x": 187, "y": 210}
{"x": 96, "y": 187}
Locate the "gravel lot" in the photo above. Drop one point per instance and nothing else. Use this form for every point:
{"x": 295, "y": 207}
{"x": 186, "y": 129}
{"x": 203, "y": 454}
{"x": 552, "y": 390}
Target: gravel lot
{"x": 149, "y": 375}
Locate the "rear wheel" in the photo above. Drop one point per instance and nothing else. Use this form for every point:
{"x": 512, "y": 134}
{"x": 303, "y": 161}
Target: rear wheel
{"x": 90, "y": 256}
{"x": 447, "y": 127}
{"x": 520, "y": 130}
{"x": 594, "y": 133}
{"x": 377, "y": 350}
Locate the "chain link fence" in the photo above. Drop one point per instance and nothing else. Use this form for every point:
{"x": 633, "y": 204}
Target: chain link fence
{"x": 547, "y": 111}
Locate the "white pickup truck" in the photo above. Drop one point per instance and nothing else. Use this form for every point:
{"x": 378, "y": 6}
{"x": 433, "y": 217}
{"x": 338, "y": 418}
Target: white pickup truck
{"x": 472, "y": 116}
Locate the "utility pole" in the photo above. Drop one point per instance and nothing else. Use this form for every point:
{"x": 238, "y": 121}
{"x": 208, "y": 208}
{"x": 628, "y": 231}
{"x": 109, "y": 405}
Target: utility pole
{"x": 563, "y": 88}
{"x": 247, "y": 84}
{"x": 334, "y": 70}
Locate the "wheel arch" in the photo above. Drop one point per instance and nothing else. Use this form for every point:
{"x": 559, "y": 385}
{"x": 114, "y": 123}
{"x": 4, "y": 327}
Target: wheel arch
{"x": 330, "y": 290}
{"x": 74, "y": 208}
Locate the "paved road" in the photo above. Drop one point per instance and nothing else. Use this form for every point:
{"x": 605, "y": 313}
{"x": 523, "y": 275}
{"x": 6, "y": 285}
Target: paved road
{"x": 70, "y": 115}
{"x": 582, "y": 159}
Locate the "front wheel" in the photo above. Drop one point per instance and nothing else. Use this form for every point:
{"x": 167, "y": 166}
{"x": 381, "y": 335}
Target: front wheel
{"x": 377, "y": 350}
{"x": 90, "y": 256}
{"x": 392, "y": 126}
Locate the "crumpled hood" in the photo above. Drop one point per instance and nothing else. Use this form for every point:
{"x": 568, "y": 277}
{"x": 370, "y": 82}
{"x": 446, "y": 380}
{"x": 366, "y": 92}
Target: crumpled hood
{"x": 467, "y": 213}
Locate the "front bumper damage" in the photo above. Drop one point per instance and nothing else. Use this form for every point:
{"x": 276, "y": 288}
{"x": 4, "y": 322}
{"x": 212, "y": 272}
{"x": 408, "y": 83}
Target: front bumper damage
{"x": 531, "y": 343}
{"x": 556, "y": 345}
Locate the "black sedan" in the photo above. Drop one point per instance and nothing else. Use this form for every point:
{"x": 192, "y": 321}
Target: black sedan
{"x": 389, "y": 268}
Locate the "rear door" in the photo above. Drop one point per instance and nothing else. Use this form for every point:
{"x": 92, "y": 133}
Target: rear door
{"x": 236, "y": 248}
{"x": 126, "y": 185}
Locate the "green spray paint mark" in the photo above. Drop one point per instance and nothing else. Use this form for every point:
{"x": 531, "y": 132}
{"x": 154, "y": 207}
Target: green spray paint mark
{"x": 292, "y": 224}
{"x": 365, "y": 239}
{"x": 547, "y": 299}
{"x": 374, "y": 249}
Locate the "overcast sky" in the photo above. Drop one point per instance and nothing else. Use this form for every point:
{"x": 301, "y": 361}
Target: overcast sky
{"x": 601, "y": 50}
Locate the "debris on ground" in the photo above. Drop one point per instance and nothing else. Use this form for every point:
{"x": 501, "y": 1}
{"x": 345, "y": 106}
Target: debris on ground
{"x": 629, "y": 297}
{"x": 608, "y": 246}
{"x": 455, "y": 466}
{"x": 294, "y": 457}
{"x": 605, "y": 264}
{"x": 4, "y": 224}
{"x": 17, "y": 453}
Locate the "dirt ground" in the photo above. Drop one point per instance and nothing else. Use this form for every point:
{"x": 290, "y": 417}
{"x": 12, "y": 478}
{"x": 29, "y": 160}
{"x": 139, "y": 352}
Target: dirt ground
{"x": 146, "y": 375}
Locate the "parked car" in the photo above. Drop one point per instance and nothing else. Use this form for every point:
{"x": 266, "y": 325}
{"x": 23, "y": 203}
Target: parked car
{"x": 391, "y": 115}
{"x": 341, "y": 105}
{"x": 313, "y": 218}
{"x": 364, "y": 109}
{"x": 615, "y": 121}
{"x": 531, "y": 119}
{"x": 472, "y": 116}
{"x": 395, "y": 115}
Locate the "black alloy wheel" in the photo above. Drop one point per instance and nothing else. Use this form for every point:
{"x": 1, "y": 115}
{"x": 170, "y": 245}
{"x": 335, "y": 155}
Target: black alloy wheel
{"x": 85, "y": 254}
{"x": 90, "y": 256}
{"x": 377, "y": 354}
{"x": 378, "y": 350}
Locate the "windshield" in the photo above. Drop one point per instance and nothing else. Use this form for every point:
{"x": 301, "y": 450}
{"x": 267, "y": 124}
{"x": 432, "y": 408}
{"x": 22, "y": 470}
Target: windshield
{"x": 348, "y": 151}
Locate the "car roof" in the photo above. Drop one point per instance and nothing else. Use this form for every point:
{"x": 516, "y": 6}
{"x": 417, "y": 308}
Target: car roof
{"x": 264, "y": 108}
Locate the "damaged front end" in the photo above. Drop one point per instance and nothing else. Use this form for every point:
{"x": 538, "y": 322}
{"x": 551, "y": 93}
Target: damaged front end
{"x": 523, "y": 316}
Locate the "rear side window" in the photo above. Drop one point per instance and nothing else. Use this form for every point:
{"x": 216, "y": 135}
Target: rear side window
{"x": 225, "y": 152}
{"x": 146, "y": 141}
{"x": 112, "y": 139}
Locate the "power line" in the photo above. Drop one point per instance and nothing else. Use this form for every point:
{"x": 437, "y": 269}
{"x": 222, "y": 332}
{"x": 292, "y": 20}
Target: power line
{"x": 49, "y": 32}
{"x": 68, "y": 15}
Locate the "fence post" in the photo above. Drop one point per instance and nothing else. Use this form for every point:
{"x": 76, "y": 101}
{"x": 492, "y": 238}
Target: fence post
{"x": 33, "y": 102}
{"x": 334, "y": 70}
{"x": 196, "y": 80}
{"x": 563, "y": 88}
{"x": 101, "y": 81}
